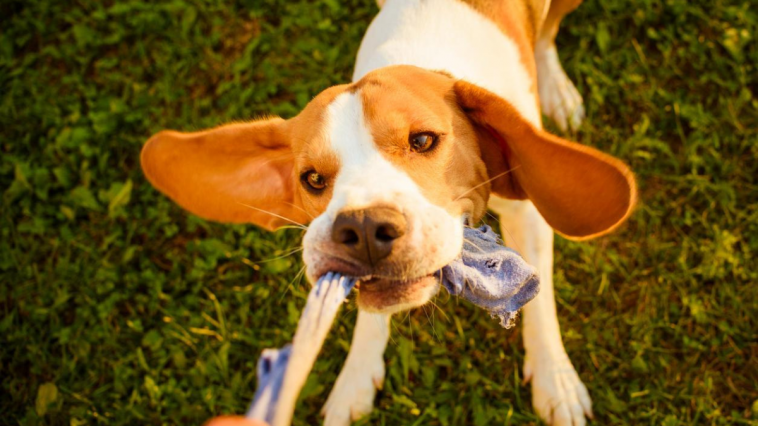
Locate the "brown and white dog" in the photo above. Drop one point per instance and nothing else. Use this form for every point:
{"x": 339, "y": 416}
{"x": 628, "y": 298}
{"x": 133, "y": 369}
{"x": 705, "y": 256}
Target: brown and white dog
{"x": 442, "y": 121}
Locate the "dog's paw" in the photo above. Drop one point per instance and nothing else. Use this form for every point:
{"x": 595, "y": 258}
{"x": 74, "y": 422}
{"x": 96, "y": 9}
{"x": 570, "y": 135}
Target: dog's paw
{"x": 559, "y": 98}
{"x": 353, "y": 394}
{"x": 558, "y": 395}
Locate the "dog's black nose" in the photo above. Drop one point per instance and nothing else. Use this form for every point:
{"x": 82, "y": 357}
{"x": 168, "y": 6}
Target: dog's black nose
{"x": 367, "y": 235}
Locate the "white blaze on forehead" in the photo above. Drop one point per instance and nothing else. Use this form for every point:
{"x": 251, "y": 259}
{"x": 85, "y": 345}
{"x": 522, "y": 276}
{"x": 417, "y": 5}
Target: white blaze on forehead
{"x": 349, "y": 136}
{"x": 366, "y": 177}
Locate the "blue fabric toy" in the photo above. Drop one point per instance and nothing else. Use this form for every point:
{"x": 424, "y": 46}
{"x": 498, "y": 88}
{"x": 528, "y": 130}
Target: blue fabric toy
{"x": 271, "y": 367}
{"x": 491, "y": 276}
{"x": 487, "y": 274}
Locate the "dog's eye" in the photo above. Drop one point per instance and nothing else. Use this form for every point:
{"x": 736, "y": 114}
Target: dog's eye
{"x": 313, "y": 181}
{"x": 422, "y": 142}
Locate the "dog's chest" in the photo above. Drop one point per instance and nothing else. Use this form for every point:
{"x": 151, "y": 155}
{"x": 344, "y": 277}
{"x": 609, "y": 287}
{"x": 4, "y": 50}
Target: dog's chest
{"x": 450, "y": 36}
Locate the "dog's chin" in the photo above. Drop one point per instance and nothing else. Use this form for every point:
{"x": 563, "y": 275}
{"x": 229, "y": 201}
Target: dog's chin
{"x": 387, "y": 296}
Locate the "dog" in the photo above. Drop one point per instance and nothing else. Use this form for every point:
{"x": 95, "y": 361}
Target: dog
{"x": 441, "y": 122}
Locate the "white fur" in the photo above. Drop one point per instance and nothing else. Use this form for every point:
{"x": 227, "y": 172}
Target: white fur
{"x": 363, "y": 373}
{"x": 366, "y": 178}
{"x": 558, "y": 97}
{"x": 448, "y": 35}
{"x": 558, "y": 395}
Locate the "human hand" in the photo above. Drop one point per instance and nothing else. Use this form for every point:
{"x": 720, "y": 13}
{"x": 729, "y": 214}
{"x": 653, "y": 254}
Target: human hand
{"x": 234, "y": 421}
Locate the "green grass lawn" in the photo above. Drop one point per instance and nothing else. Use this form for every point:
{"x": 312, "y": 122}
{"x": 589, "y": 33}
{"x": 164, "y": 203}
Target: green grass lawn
{"x": 118, "y": 308}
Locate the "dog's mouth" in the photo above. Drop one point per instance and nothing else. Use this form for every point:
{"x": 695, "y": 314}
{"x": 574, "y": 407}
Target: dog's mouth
{"x": 385, "y": 291}
{"x": 389, "y": 295}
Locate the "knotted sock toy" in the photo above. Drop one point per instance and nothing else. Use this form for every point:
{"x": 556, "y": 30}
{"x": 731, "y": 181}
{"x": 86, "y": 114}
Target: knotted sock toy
{"x": 490, "y": 275}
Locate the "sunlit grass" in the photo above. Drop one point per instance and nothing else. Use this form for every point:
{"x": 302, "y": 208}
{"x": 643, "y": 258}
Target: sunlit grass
{"x": 116, "y": 307}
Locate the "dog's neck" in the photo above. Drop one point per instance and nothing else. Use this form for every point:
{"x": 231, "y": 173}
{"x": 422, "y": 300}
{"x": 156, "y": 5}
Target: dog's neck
{"x": 448, "y": 35}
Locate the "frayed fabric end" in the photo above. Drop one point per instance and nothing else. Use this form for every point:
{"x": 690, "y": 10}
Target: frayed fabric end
{"x": 507, "y": 320}
{"x": 491, "y": 276}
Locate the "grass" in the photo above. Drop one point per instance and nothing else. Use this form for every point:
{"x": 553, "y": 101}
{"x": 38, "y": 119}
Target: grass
{"x": 118, "y": 308}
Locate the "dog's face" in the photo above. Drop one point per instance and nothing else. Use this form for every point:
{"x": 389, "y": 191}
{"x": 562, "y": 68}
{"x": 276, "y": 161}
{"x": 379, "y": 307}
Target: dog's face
{"x": 399, "y": 163}
{"x": 387, "y": 171}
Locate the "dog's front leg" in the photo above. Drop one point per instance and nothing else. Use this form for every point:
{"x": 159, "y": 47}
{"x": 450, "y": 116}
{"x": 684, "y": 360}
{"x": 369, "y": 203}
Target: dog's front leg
{"x": 558, "y": 395}
{"x": 363, "y": 372}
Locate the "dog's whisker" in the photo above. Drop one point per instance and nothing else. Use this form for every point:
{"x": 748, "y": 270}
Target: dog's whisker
{"x": 275, "y": 258}
{"x": 300, "y": 208}
{"x": 297, "y": 277}
{"x": 433, "y": 328}
{"x": 430, "y": 319}
{"x": 410, "y": 329}
{"x": 505, "y": 229}
{"x": 292, "y": 227}
{"x": 283, "y": 155}
{"x": 486, "y": 182}
{"x": 397, "y": 330}
{"x": 510, "y": 236}
{"x": 274, "y": 214}
{"x": 440, "y": 309}
{"x": 473, "y": 244}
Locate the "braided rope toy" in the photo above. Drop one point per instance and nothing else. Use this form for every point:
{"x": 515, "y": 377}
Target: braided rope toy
{"x": 487, "y": 274}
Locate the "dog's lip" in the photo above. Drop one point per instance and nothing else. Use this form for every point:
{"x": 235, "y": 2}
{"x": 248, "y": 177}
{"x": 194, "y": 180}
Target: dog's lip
{"x": 384, "y": 283}
{"x": 389, "y": 296}
{"x": 341, "y": 266}
{"x": 366, "y": 280}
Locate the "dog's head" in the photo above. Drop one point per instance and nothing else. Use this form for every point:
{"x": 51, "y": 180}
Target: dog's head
{"x": 387, "y": 171}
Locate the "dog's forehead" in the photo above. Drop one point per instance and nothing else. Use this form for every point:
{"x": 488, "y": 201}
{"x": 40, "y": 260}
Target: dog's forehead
{"x": 389, "y": 97}
{"x": 404, "y": 88}
{"x": 307, "y": 128}
{"x": 398, "y": 85}
{"x": 408, "y": 78}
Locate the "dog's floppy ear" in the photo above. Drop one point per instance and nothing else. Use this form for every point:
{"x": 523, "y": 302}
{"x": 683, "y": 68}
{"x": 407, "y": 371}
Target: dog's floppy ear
{"x": 581, "y": 192}
{"x": 232, "y": 173}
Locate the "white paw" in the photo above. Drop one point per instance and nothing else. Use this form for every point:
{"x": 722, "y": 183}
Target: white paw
{"x": 558, "y": 395}
{"x": 353, "y": 394}
{"x": 559, "y": 99}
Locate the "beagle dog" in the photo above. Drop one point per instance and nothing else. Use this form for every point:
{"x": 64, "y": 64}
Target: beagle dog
{"x": 441, "y": 122}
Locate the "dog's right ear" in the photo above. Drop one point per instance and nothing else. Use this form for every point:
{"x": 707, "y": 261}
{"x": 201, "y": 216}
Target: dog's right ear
{"x": 237, "y": 173}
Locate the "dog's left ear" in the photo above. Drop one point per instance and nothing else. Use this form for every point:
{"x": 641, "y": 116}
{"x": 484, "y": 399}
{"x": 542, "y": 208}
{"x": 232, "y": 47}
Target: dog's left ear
{"x": 237, "y": 173}
{"x": 581, "y": 192}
